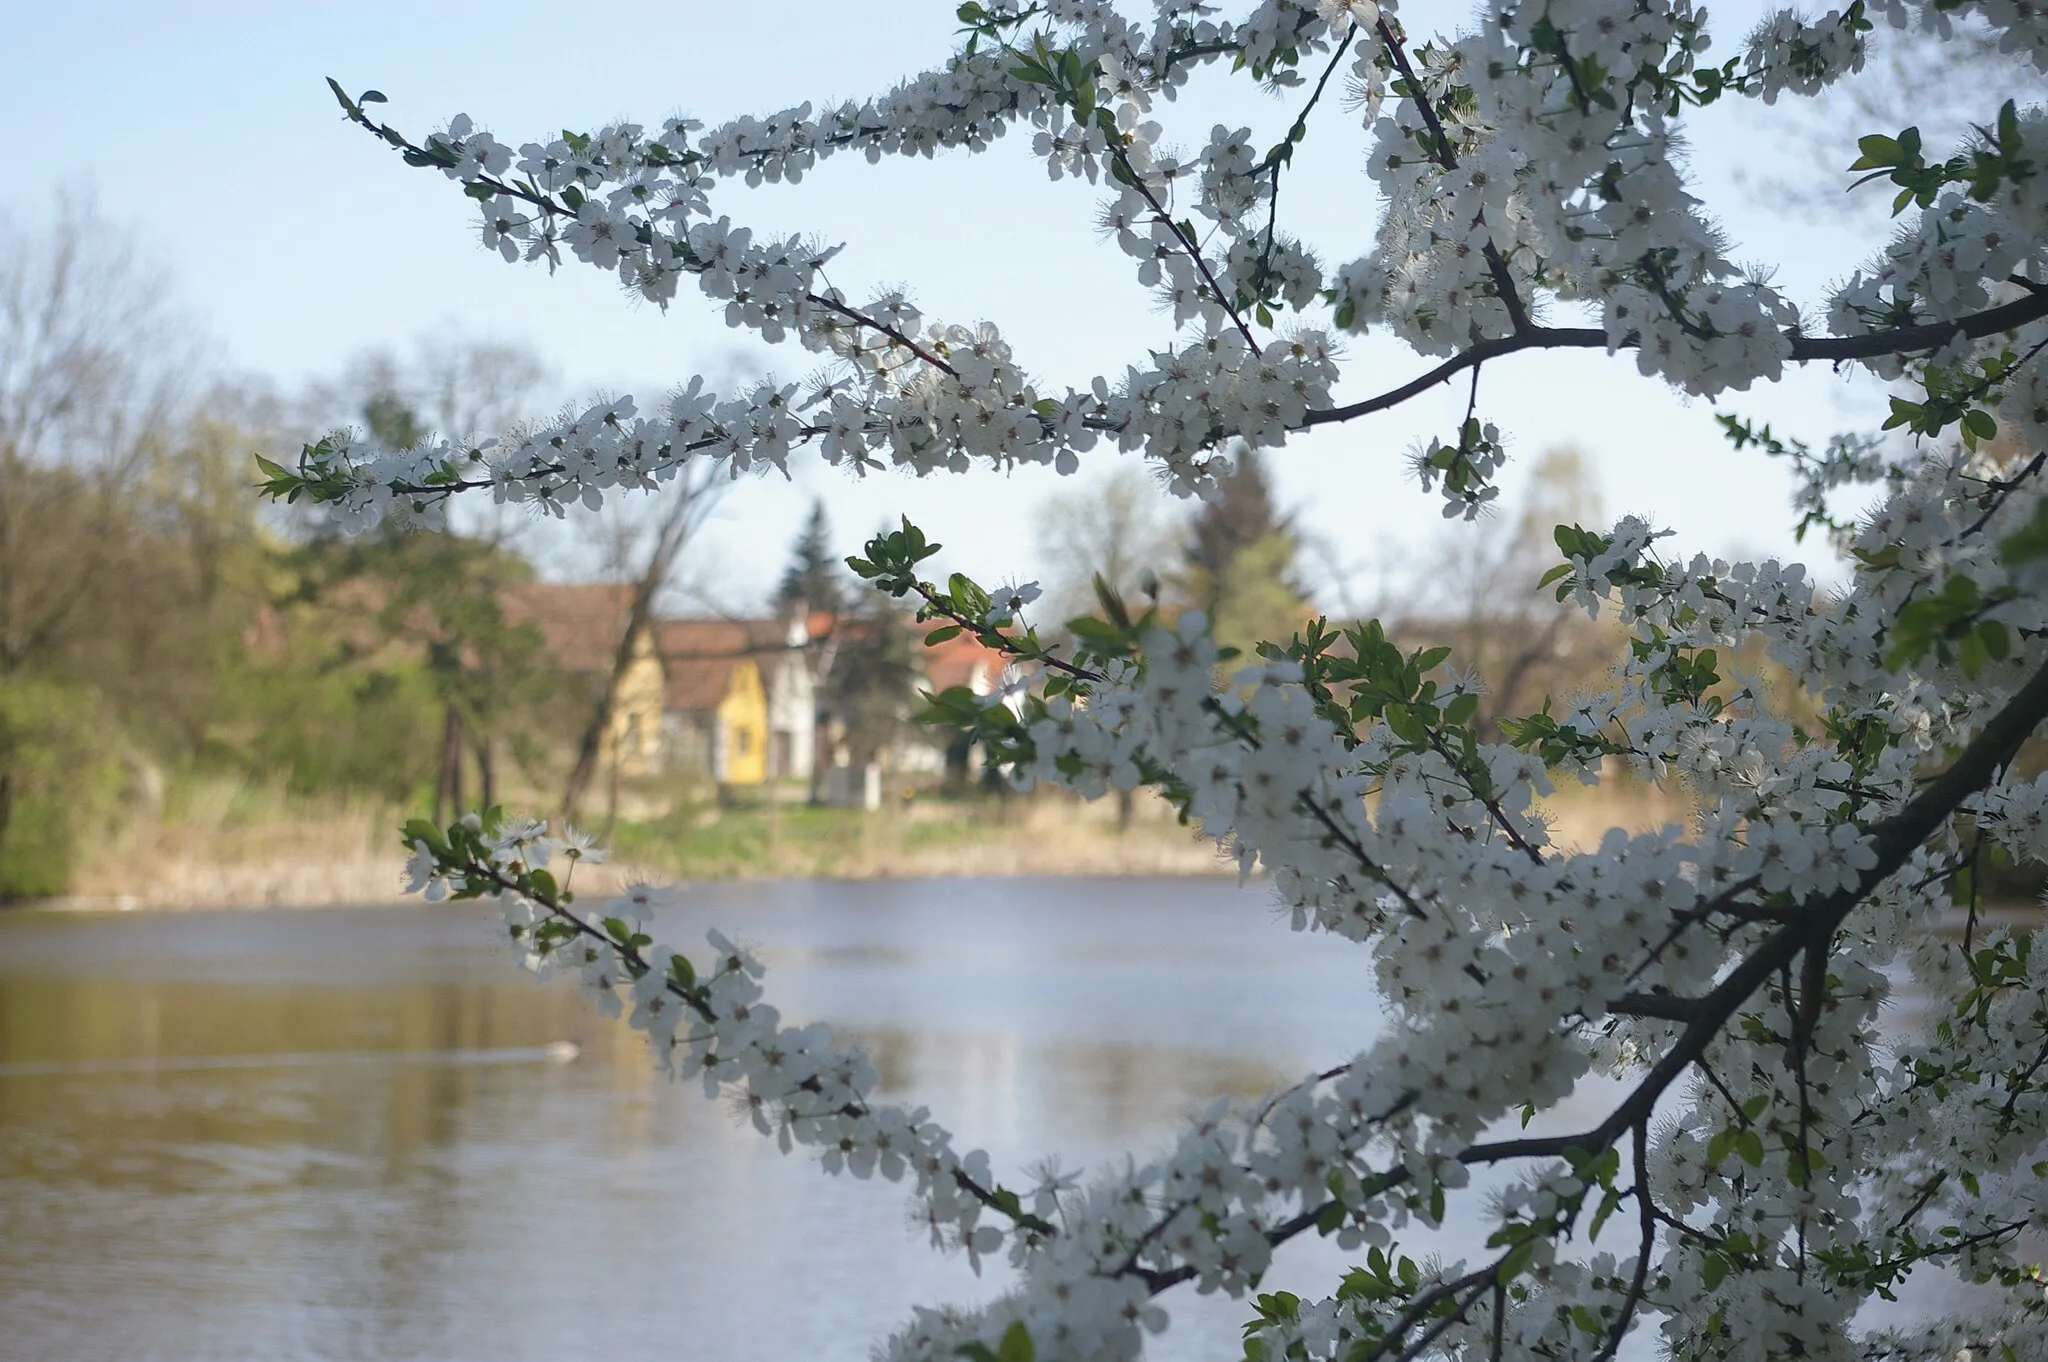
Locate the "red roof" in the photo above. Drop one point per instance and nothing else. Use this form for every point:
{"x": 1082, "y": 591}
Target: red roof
{"x": 962, "y": 661}
{"x": 698, "y": 655}
{"x": 581, "y": 623}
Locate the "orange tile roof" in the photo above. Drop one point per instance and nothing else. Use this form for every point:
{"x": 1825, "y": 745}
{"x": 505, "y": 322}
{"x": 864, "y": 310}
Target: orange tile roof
{"x": 962, "y": 661}
{"x": 698, "y": 655}
{"x": 580, "y": 622}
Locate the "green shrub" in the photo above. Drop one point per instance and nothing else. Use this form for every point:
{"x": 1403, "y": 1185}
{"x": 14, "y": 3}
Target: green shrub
{"x": 58, "y": 781}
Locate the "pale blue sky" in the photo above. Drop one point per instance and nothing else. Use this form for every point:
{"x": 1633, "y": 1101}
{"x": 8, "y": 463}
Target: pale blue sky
{"x": 295, "y": 241}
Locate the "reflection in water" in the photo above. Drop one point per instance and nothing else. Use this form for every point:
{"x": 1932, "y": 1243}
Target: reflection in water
{"x": 353, "y": 1133}
{"x": 362, "y": 1134}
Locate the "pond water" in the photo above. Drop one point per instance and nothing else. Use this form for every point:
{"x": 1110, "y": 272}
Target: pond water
{"x": 358, "y": 1133}
{"x": 350, "y": 1133}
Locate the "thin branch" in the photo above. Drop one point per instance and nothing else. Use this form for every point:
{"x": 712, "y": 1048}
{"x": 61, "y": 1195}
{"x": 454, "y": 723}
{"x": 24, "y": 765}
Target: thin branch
{"x": 856, "y": 315}
{"x": 1805, "y": 349}
{"x": 548, "y": 204}
{"x": 1188, "y": 244}
{"x": 1661, "y": 1006}
{"x": 1648, "y": 1222}
{"x": 1503, "y": 278}
{"x": 1893, "y": 840}
{"x": 2001, "y": 488}
{"x": 693, "y": 998}
{"x": 1283, "y": 155}
{"x": 1527, "y": 336}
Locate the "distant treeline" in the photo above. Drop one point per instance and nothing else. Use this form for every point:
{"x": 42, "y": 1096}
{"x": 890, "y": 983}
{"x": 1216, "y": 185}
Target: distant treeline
{"x": 160, "y": 626}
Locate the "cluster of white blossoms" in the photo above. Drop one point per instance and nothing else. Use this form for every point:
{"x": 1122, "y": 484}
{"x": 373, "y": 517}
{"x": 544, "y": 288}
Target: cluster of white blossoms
{"x": 1437, "y": 858}
{"x": 1532, "y": 163}
{"x": 1770, "y": 1164}
{"x": 710, "y": 1026}
{"x": 1447, "y": 874}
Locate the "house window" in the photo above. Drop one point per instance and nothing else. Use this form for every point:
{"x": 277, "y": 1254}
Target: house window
{"x": 744, "y": 741}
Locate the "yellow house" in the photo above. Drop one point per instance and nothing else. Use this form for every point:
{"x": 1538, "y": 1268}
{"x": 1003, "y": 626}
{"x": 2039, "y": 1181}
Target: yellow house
{"x": 716, "y": 701}
{"x": 634, "y": 744}
{"x": 742, "y": 756}
{"x": 582, "y": 624}
{"x": 696, "y": 694}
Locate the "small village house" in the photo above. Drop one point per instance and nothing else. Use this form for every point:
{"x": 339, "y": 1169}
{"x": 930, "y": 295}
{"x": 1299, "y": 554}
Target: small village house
{"x": 740, "y": 700}
{"x": 581, "y": 625}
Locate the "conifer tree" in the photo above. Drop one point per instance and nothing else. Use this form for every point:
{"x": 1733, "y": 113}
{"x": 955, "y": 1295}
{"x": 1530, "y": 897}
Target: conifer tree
{"x": 812, "y": 576}
{"x": 1241, "y": 560}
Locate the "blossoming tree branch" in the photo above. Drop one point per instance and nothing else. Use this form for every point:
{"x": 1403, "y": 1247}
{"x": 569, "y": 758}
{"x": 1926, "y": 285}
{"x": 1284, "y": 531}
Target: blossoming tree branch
{"x": 1769, "y": 1166}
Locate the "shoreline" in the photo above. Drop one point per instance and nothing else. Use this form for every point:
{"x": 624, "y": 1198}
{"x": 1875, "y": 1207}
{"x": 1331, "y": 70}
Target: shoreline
{"x": 160, "y": 880}
{"x": 314, "y": 856}
{"x": 133, "y": 903}
{"x": 350, "y": 856}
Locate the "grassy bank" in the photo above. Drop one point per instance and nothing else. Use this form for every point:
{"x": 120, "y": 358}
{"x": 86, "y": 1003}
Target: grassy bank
{"x": 924, "y": 838}
{"x": 224, "y": 844}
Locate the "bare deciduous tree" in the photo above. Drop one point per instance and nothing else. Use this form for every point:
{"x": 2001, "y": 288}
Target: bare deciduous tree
{"x": 89, "y": 386}
{"x": 643, "y": 545}
{"x": 1478, "y": 593}
{"x": 91, "y": 373}
{"x": 1116, "y": 530}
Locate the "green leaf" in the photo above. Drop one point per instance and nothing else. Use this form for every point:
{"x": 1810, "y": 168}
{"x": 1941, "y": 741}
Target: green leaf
{"x": 1878, "y": 151}
{"x": 1750, "y": 1146}
{"x": 2029, "y": 542}
{"x": 421, "y": 830}
{"x": 1016, "y": 1344}
{"x": 1972, "y": 654}
{"x": 1718, "y": 1147}
{"x": 1608, "y": 1203}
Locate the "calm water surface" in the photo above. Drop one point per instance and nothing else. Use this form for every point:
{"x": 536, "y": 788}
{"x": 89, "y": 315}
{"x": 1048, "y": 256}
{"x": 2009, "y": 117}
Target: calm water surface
{"x": 350, "y": 1133}
{"x": 347, "y": 1133}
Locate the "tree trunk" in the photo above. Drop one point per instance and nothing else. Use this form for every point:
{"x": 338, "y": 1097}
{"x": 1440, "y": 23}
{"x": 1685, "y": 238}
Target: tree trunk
{"x": 692, "y": 499}
{"x": 448, "y": 785}
{"x": 487, "y": 771}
